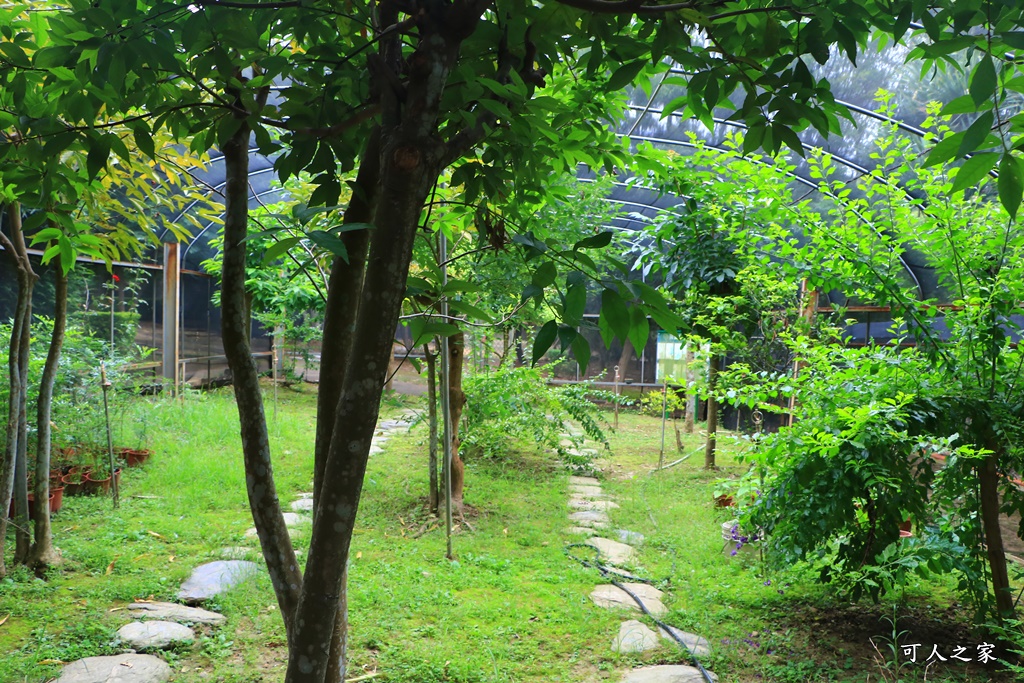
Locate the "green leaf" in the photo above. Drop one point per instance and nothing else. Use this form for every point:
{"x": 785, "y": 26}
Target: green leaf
{"x": 1011, "y": 184}
{"x": 67, "y": 254}
{"x": 575, "y": 304}
{"x": 545, "y": 275}
{"x": 581, "y": 352}
{"x": 96, "y": 161}
{"x": 279, "y": 248}
{"x": 983, "y": 81}
{"x": 615, "y": 313}
{"x": 471, "y": 311}
{"x": 423, "y": 329}
{"x": 976, "y": 133}
{"x": 144, "y": 141}
{"x": 598, "y": 241}
{"x": 545, "y": 338}
{"x": 625, "y": 74}
{"x": 639, "y": 329}
{"x": 974, "y": 170}
{"x": 329, "y": 242}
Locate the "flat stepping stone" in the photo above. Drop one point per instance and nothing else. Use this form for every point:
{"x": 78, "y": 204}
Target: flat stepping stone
{"x": 304, "y": 495}
{"x": 666, "y": 673}
{"x": 302, "y": 505}
{"x": 634, "y": 636}
{"x": 376, "y": 450}
{"x": 170, "y": 611}
{"x": 584, "y": 481}
{"x": 630, "y": 537}
{"x": 577, "y": 490}
{"x": 586, "y": 504}
{"x": 580, "y": 530}
{"x": 582, "y": 452}
{"x": 213, "y": 578}
{"x": 154, "y": 635}
{"x": 589, "y": 518}
{"x": 698, "y": 645}
{"x": 117, "y": 669}
{"x": 611, "y": 551}
{"x": 613, "y": 597}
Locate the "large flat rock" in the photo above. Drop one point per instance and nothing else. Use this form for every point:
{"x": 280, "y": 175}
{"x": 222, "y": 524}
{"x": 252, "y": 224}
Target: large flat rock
{"x": 634, "y": 636}
{"x": 213, "y": 578}
{"x": 698, "y": 645}
{"x": 154, "y": 635}
{"x": 580, "y": 491}
{"x": 584, "y": 481}
{"x": 613, "y": 597}
{"x": 302, "y": 505}
{"x": 169, "y": 611}
{"x": 594, "y": 518}
{"x": 674, "y": 673}
{"x": 577, "y": 503}
{"x": 611, "y": 551}
{"x": 117, "y": 669}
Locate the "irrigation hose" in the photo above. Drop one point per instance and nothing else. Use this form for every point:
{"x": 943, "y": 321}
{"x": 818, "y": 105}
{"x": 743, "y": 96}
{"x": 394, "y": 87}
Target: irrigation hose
{"x": 609, "y": 572}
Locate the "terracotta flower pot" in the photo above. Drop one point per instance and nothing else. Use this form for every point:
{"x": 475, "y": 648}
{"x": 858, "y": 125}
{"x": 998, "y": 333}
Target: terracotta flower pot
{"x": 136, "y": 458}
{"x": 99, "y": 483}
{"x": 72, "y": 483}
{"x": 56, "y": 499}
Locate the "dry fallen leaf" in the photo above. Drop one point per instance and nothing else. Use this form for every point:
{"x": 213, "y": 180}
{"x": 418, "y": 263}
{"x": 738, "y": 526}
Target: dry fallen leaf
{"x": 4, "y": 620}
{"x": 110, "y": 568}
{"x": 51, "y": 661}
{"x": 115, "y": 609}
{"x": 358, "y": 555}
{"x": 155, "y": 535}
{"x": 171, "y": 558}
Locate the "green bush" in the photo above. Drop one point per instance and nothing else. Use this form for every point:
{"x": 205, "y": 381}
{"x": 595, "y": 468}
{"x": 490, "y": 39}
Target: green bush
{"x": 511, "y": 403}
{"x": 97, "y": 324}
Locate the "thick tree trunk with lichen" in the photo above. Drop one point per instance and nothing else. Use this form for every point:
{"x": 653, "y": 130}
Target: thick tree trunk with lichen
{"x": 259, "y": 474}
{"x": 43, "y": 554}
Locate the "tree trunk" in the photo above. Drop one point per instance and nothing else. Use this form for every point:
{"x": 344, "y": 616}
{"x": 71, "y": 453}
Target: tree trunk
{"x": 431, "y": 358}
{"x": 22, "y": 534}
{"x": 709, "y": 446}
{"x": 988, "y": 480}
{"x": 457, "y": 401}
{"x": 517, "y": 341}
{"x": 43, "y": 554}
{"x": 627, "y": 353}
{"x": 17, "y": 365}
{"x": 259, "y": 478}
{"x": 691, "y": 396}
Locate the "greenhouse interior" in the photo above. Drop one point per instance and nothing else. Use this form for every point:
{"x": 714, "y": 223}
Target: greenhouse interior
{"x": 566, "y": 340}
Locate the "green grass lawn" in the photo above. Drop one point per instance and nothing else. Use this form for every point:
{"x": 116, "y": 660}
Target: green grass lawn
{"x": 512, "y": 608}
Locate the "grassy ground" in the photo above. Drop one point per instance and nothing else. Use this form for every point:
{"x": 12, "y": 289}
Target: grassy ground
{"x": 512, "y": 608}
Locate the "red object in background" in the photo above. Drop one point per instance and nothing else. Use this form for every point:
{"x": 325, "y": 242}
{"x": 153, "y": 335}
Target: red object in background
{"x": 115, "y": 278}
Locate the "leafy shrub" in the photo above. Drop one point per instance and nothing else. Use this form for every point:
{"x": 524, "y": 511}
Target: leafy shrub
{"x": 512, "y": 404}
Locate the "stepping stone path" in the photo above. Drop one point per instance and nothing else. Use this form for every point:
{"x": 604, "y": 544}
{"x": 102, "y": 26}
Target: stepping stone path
{"x": 213, "y": 578}
{"x": 154, "y": 635}
{"x": 118, "y": 669}
{"x": 590, "y": 507}
{"x": 666, "y": 674}
{"x": 170, "y": 611}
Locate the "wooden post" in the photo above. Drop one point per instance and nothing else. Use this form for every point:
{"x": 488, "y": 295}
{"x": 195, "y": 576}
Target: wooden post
{"x": 171, "y": 313}
{"x": 809, "y": 309}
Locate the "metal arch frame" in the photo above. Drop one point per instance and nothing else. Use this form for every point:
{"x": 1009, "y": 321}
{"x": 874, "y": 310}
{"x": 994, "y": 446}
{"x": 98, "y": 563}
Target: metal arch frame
{"x": 254, "y": 195}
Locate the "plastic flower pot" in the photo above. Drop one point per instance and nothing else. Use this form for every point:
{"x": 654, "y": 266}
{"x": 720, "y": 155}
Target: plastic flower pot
{"x": 99, "y": 483}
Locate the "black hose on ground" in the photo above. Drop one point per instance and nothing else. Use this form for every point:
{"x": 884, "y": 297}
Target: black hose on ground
{"x": 608, "y": 572}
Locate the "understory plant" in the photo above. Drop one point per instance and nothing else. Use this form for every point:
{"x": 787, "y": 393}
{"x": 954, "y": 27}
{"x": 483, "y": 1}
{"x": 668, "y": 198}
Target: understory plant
{"x": 513, "y": 403}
